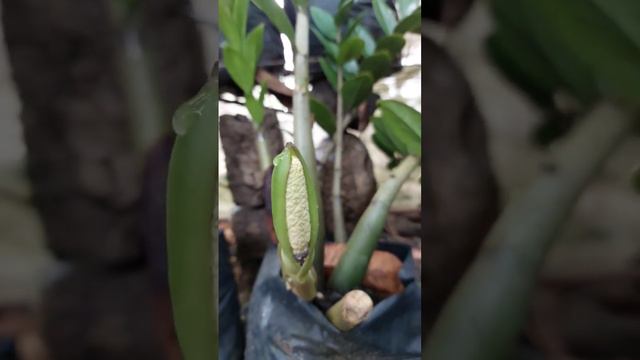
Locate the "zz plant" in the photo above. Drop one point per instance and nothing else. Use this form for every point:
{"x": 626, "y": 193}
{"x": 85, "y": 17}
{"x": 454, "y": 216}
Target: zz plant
{"x": 354, "y": 61}
{"x": 241, "y": 54}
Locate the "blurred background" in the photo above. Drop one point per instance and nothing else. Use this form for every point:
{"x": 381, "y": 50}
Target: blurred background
{"x": 499, "y": 94}
{"x": 87, "y": 90}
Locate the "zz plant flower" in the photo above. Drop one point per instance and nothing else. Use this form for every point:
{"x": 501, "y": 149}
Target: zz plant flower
{"x": 295, "y": 211}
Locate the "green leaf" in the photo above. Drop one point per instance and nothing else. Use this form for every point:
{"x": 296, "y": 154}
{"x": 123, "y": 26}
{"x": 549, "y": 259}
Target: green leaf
{"x": 383, "y": 142}
{"x": 277, "y": 16}
{"x": 391, "y": 43}
{"x": 344, "y": 8}
{"x": 406, "y": 7}
{"x": 404, "y": 140}
{"x": 350, "y": 69}
{"x": 625, "y": 14}
{"x": 378, "y": 64}
{"x": 329, "y": 71}
{"x": 253, "y": 46}
{"x": 231, "y": 32}
{"x": 405, "y": 113}
{"x": 352, "y": 25}
{"x": 323, "y": 22}
{"x": 256, "y": 109}
{"x": 350, "y": 49}
{"x": 356, "y": 90}
{"x": 369, "y": 41}
{"x": 240, "y": 13}
{"x": 192, "y": 246}
{"x": 237, "y": 66}
{"x": 323, "y": 116}
{"x": 329, "y": 46}
{"x": 410, "y": 24}
{"x": 385, "y": 16}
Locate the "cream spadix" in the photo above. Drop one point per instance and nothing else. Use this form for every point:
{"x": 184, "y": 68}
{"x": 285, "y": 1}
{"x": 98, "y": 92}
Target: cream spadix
{"x": 294, "y": 206}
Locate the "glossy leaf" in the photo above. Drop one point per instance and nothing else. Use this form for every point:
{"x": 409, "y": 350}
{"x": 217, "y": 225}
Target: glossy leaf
{"x": 253, "y": 47}
{"x": 329, "y": 71}
{"x": 277, "y": 16}
{"x": 385, "y": 16}
{"x": 391, "y": 43}
{"x": 323, "y": 22}
{"x": 405, "y": 141}
{"x": 356, "y": 90}
{"x": 353, "y": 23}
{"x": 378, "y": 64}
{"x": 351, "y": 69}
{"x": 323, "y": 116}
{"x": 369, "y": 41}
{"x": 192, "y": 184}
{"x": 350, "y": 49}
{"x": 237, "y": 66}
{"x": 383, "y": 142}
{"x": 410, "y": 24}
{"x": 405, "y": 113}
{"x": 329, "y": 46}
{"x": 231, "y": 32}
{"x": 406, "y": 7}
{"x": 256, "y": 109}
{"x": 344, "y": 9}
{"x": 240, "y": 14}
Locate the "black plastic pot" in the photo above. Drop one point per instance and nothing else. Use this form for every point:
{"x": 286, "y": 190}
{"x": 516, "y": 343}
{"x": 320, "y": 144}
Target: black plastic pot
{"x": 281, "y": 326}
{"x": 231, "y": 334}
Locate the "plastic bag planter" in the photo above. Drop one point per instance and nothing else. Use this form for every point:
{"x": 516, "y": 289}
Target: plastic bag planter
{"x": 231, "y": 334}
{"x": 281, "y": 326}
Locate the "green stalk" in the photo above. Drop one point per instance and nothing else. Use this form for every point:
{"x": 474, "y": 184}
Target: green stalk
{"x": 192, "y": 223}
{"x": 339, "y": 231}
{"x": 487, "y": 311}
{"x": 302, "y": 120}
{"x": 263, "y": 151}
{"x": 352, "y": 266}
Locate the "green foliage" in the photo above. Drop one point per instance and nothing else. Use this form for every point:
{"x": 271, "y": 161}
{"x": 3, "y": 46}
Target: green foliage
{"x": 343, "y": 11}
{"x": 277, "y": 16}
{"x": 369, "y": 41}
{"x": 242, "y": 52}
{"x": 587, "y": 48}
{"x": 378, "y": 65}
{"x": 410, "y": 23}
{"x": 323, "y": 116}
{"x": 356, "y": 90}
{"x": 329, "y": 71}
{"x": 385, "y": 16}
{"x": 350, "y": 49}
{"x": 323, "y": 22}
{"x": 398, "y": 129}
{"x": 391, "y": 43}
{"x": 406, "y": 7}
{"x": 192, "y": 185}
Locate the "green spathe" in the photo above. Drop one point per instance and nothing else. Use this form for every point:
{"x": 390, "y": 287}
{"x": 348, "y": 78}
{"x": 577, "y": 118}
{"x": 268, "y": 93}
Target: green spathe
{"x": 295, "y": 213}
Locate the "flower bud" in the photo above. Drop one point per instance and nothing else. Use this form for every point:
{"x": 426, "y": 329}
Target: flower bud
{"x": 294, "y": 207}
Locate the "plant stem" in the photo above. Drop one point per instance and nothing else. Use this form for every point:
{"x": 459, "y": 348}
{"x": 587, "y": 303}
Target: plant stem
{"x": 488, "y": 309}
{"x": 263, "y": 151}
{"x": 352, "y": 266}
{"x": 192, "y": 243}
{"x": 339, "y": 231}
{"x": 302, "y": 121}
